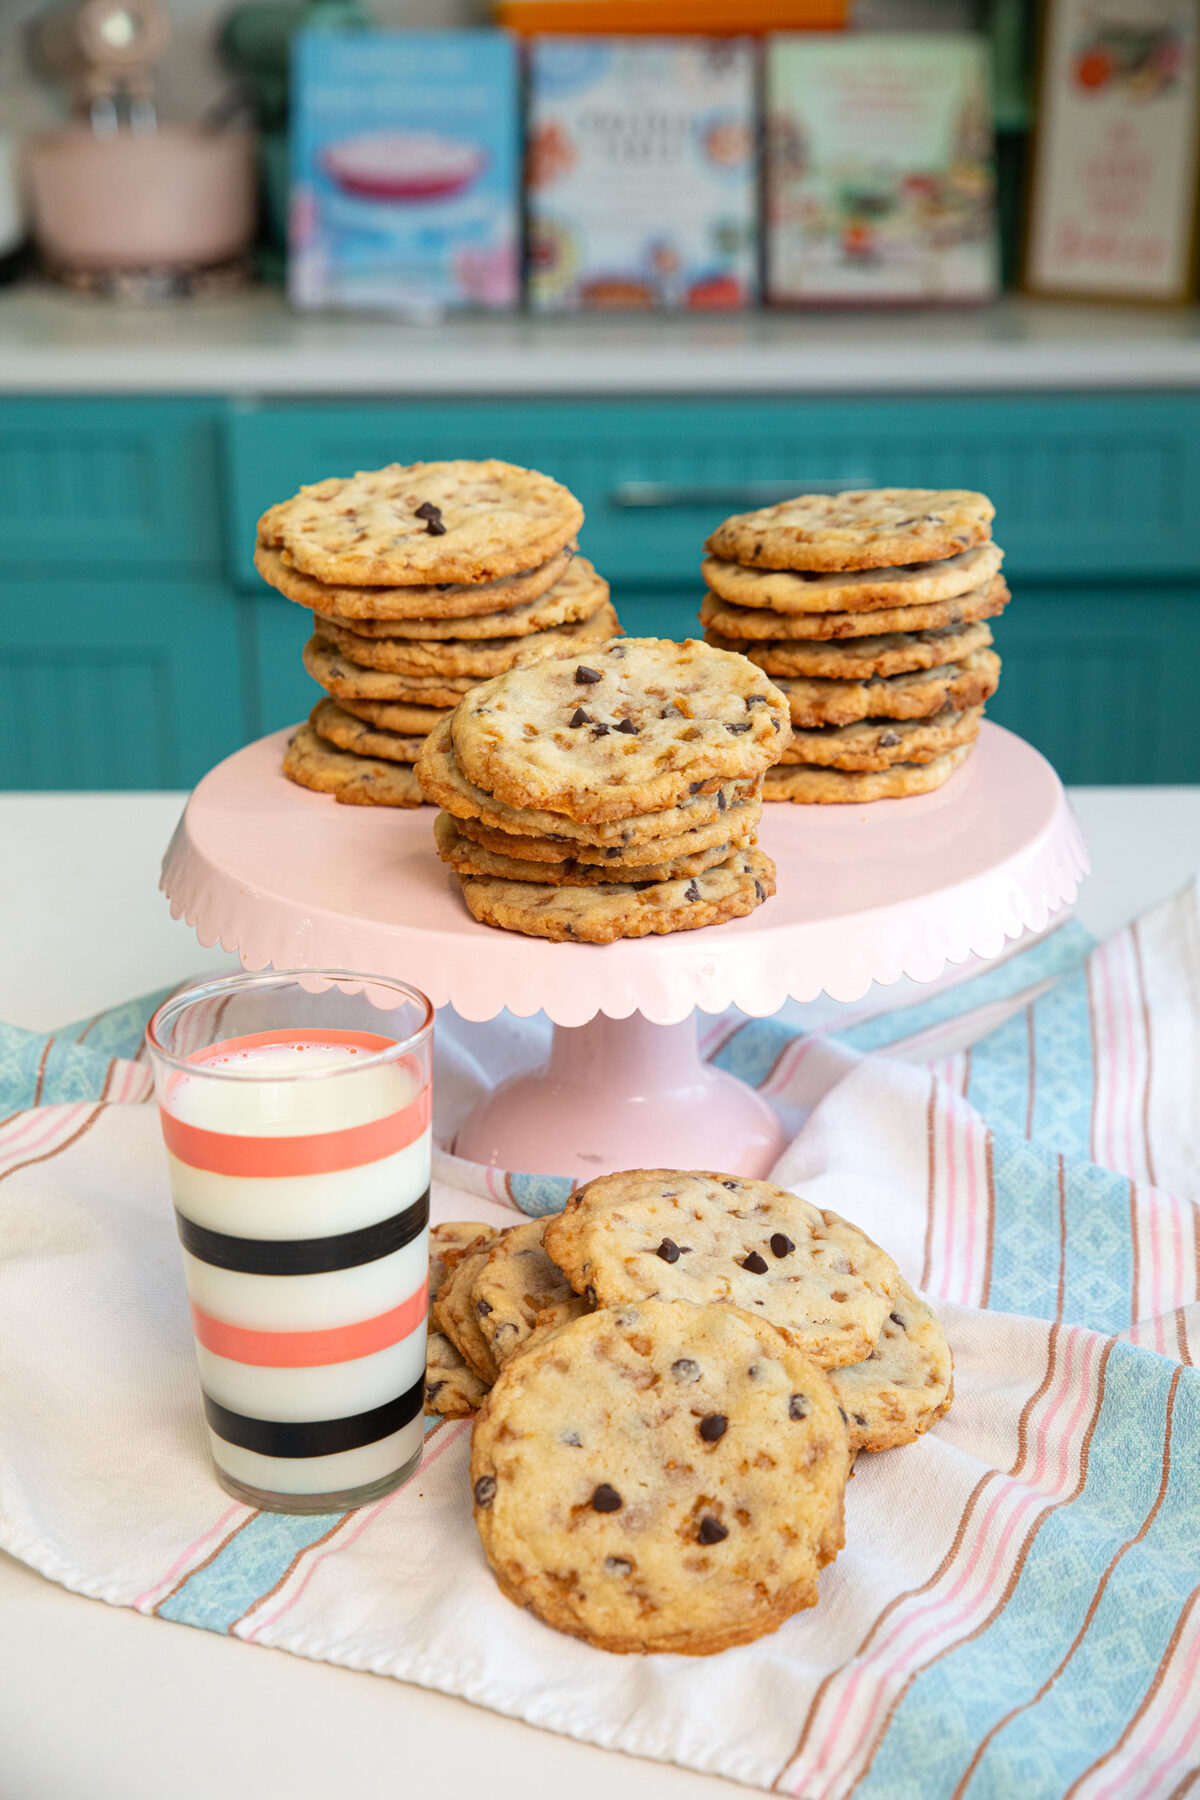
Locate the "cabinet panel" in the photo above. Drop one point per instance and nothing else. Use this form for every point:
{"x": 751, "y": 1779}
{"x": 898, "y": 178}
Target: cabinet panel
{"x": 100, "y": 484}
{"x": 286, "y": 691}
{"x": 1101, "y": 680}
{"x": 118, "y": 685}
{"x": 1083, "y": 485}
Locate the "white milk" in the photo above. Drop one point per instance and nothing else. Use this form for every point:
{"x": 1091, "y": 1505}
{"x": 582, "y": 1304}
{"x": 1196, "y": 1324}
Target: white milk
{"x": 271, "y": 1379}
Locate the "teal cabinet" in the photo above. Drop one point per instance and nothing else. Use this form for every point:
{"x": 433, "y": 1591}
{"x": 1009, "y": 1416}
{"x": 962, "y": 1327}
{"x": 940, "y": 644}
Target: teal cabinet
{"x": 138, "y": 645}
{"x": 120, "y": 684}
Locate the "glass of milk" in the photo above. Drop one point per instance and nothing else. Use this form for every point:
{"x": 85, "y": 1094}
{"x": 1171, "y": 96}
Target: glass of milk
{"x": 295, "y": 1111}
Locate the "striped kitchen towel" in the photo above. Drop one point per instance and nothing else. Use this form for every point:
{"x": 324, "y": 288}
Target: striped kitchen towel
{"x": 1016, "y": 1609}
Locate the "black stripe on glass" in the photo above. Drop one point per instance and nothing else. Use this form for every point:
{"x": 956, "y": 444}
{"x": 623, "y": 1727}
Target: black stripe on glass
{"x": 304, "y": 1256}
{"x": 317, "y": 1437}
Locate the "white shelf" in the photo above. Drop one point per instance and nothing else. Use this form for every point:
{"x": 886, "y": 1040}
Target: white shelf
{"x": 251, "y": 345}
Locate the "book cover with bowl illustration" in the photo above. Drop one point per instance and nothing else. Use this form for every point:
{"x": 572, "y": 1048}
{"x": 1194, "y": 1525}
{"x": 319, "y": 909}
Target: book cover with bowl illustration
{"x": 642, "y": 173}
{"x": 405, "y": 160}
{"x": 880, "y": 177}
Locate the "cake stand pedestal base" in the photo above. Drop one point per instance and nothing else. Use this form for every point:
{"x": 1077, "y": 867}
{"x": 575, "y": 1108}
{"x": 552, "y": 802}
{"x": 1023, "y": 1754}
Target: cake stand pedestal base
{"x": 623, "y": 1094}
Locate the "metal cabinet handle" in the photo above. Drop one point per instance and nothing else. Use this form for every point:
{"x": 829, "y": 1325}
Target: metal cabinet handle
{"x": 729, "y": 497}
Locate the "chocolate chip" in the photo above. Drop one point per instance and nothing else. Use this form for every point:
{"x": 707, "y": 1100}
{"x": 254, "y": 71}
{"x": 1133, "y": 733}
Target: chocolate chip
{"x": 617, "y": 1565}
{"x": 889, "y": 739}
{"x": 589, "y": 1294}
{"x": 572, "y": 1439}
{"x": 781, "y": 1244}
{"x": 600, "y": 730}
{"x": 606, "y": 1499}
{"x": 695, "y": 787}
{"x": 627, "y": 726}
{"x": 685, "y": 1369}
{"x": 756, "y": 700}
{"x": 585, "y": 676}
{"x": 760, "y": 891}
{"x": 754, "y": 1263}
{"x": 858, "y": 1419}
{"x": 579, "y": 717}
{"x": 733, "y": 1186}
{"x": 797, "y": 1407}
{"x": 691, "y": 891}
{"x": 722, "y": 802}
{"x": 435, "y": 528}
{"x": 842, "y": 1410}
{"x": 711, "y": 1530}
{"x": 744, "y": 725}
{"x": 668, "y": 1250}
{"x": 714, "y": 1426}
{"x": 433, "y": 1389}
{"x": 485, "y": 1490}
{"x": 897, "y": 1320}
{"x": 427, "y": 510}
{"x": 482, "y": 1308}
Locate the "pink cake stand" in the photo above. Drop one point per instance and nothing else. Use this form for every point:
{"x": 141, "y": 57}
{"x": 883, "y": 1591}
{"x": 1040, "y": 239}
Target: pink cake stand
{"x": 289, "y": 879}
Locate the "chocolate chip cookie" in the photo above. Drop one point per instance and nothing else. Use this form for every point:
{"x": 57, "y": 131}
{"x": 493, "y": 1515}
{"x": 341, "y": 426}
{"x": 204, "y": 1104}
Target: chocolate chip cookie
{"x": 452, "y": 1388}
{"x": 636, "y": 727}
{"x": 849, "y": 590}
{"x": 461, "y": 656}
{"x": 424, "y": 523}
{"x": 601, "y": 915}
{"x": 454, "y": 1311}
{"x": 660, "y": 1477}
{"x": 735, "y": 626}
{"x": 880, "y": 743}
{"x": 733, "y": 827}
{"x": 914, "y": 695}
{"x": 346, "y": 680}
{"x": 859, "y": 659}
{"x": 353, "y": 780}
{"x": 577, "y": 594}
{"x": 519, "y": 1291}
{"x": 340, "y": 728}
{"x": 869, "y": 529}
{"x": 446, "y": 785}
{"x": 907, "y": 1382}
{"x": 468, "y": 858}
{"x": 711, "y": 1239}
{"x": 808, "y": 786}
{"x": 440, "y": 600}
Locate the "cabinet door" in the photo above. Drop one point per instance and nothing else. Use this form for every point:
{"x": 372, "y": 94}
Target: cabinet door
{"x": 1102, "y": 680}
{"x": 116, "y": 684}
{"x": 286, "y": 693}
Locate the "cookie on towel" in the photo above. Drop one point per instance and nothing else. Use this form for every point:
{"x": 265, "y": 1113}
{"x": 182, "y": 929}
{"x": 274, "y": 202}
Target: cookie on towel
{"x": 452, "y": 1388}
{"x": 712, "y": 1239}
{"x": 660, "y": 1477}
{"x": 519, "y": 1291}
{"x": 907, "y": 1382}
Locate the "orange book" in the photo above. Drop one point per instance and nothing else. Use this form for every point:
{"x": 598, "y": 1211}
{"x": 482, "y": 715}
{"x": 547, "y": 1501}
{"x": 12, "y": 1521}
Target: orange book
{"x": 656, "y": 18}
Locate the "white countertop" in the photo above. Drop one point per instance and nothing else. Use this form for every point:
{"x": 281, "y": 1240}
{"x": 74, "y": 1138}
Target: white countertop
{"x": 251, "y": 344}
{"x": 105, "y": 1704}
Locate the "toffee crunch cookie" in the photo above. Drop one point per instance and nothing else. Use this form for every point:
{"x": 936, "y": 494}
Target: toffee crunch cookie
{"x": 881, "y": 743}
{"x": 810, "y": 786}
{"x": 408, "y": 657}
{"x": 397, "y": 715}
{"x": 353, "y": 780}
{"x": 858, "y": 659}
{"x": 849, "y": 590}
{"x": 732, "y": 828}
{"x": 869, "y": 529}
{"x": 681, "y": 1495}
{"x": 345, "y": 680}
{"x": 343, "y": 730}
{"x": 519, "y": 1290}
{"x": 602, "y": 914}
{"x": 907, "y": 1382}
{"x": 439, "y": 600}
{"x": 914, "y": 695}
{"x": 445, "y": 784}
{"x": 454, "y": 1310}
{"x": 577, "y": 594}
{"x": 468, "y": 858}
{"x": 674, "y": 1234}
{"x": 634, "y": 727}
{"x": 425, "y": 523}
{"x": 733, "y": 625}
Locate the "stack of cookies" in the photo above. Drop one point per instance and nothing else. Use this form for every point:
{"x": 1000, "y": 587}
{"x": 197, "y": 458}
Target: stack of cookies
{"x": 611, "y": 797}
{"x": 672, "y": 1378}
{"x": 868, "y": 610}
{"x": 422, "y": 581}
